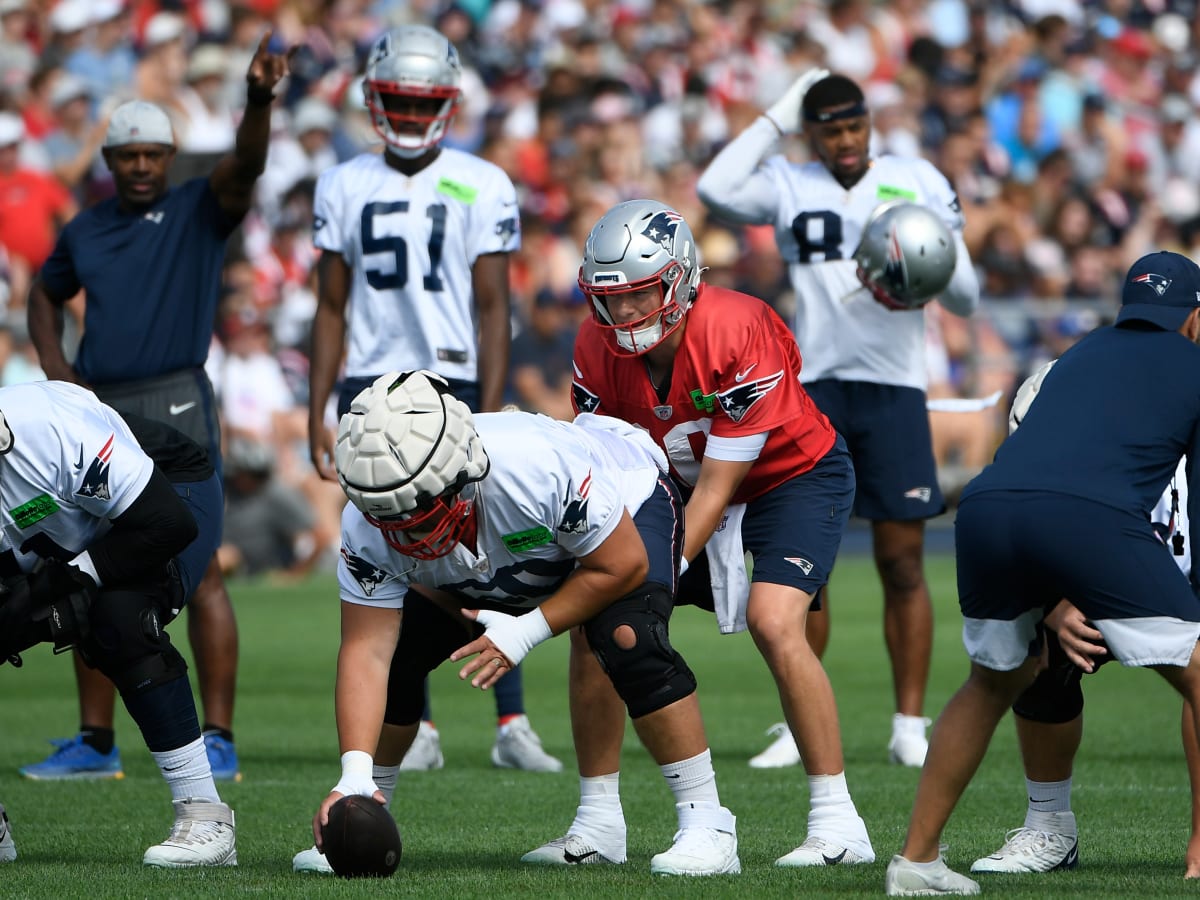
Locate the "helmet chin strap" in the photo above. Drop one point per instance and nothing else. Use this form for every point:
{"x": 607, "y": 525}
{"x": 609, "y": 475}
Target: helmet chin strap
{"x": 407, "y": 152}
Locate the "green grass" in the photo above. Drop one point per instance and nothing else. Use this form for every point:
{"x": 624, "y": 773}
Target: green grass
{"x": 465, "y": 827}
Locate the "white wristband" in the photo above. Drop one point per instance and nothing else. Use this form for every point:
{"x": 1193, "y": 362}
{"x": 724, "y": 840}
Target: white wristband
{"x": 515, "y": 636}
{"x": 357, "y": 774}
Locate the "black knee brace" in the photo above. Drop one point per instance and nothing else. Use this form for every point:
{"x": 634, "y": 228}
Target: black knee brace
{"x": 650, "y": 674}
{"x": 127, "y": 642}
{"x": 1056, "y": 695}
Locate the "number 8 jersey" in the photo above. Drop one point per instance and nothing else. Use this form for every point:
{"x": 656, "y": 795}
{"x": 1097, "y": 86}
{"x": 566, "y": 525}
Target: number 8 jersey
{"x": 411, "y": 242}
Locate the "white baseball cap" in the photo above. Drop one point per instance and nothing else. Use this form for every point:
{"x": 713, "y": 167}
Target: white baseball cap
{"x": 68, "y": 88}
{"x": 313, "y": 114}
{"x": 12, "y": 129}
{"x": 70, "y": 16}
{"x": 138, "y": 122}
{"x": 163, "y": 28}
{"x": 104, "y": 10}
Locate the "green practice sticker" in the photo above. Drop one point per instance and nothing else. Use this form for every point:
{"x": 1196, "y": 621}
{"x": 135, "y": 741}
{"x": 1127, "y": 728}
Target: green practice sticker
{"x": 33, "y": 511}
{"x": 520, "y": 541}
{"x": 702, "y": 401}
{"x": 462, "y": 192}
{"x": 887, "y": 192}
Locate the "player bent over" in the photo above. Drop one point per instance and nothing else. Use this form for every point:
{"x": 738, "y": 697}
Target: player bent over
{"x": 540, "y": 526}
{"x": 713, "y": 376}
{"x": 101, "y": 548}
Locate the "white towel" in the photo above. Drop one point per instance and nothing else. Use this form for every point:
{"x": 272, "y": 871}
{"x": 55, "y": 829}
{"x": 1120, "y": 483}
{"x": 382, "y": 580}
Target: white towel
{"x": 727, "y": 570}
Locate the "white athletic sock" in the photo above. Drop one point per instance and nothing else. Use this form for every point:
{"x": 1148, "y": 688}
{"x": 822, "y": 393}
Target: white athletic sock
{"x": 385, "y": 779}
{"x": 1049, "y": 805}
{"x": 187, "y": 772}
{"x": 693, "y": 780}
{"x": 599, "y": 816}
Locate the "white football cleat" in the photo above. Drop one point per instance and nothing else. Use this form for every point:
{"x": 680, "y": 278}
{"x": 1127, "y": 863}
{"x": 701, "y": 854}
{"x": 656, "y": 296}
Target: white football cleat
{"x": 311, "y": 860}
{"x": 909, "y": 744}
{"x": 1035, "y": 850}
{"x": 8, "y": 847}
{"x": 909, "y": 879}
{"x": 817, "y": 851}
{"x": 425, "y": 753}
{"x": 518, "y": 747}
{"x": 705, "y": 844}
{"x": 571, "y": 850}
{"x": 203, "y": 835}
{"x": 782, "y": 751}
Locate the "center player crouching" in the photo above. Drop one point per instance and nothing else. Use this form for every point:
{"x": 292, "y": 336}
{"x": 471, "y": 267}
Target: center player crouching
{"x": 539, "y": 525}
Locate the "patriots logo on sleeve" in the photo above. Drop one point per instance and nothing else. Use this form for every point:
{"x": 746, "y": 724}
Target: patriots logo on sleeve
{"x": 574, "y": 518}
{"x": 661, "y": 228}
{"x": 95, "y": 481}
{"x": 368, "y": 575}
{"x": 507, "y": 228}
{"x": 737, "y": 400}
{"x": 585, "y": 400}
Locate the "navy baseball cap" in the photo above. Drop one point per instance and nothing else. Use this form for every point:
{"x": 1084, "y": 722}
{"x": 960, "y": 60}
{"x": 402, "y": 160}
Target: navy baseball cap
{"x": 1162, "y": 288}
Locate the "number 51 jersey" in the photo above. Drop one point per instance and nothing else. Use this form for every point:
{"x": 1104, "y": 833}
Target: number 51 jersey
{"x": 411, "y": 242}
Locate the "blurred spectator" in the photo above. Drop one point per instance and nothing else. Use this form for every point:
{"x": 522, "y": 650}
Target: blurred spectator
{"x": 269, "y": 527}
{"x": 106, "y": 61}
{"x": 206, "y": 126}
{"x": 17, "y": 56}
{"x": 540, "y": 360}
{"x": 304, "y": 151}
{"x": 73, "y": 145}
{"x": 33, "y": 208}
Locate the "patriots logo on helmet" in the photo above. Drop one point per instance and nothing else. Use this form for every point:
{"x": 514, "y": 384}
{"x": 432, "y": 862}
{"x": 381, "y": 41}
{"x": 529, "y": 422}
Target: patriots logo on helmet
{"x": 585, "y": 400}
{"x": 661, "y": 228}
{"x": 574, "y": 519}
{"x": 95, "y": 481}
{"x": 894, "y": 271}
{"x": 1156, "y": 283}
{"x": 737, "y": 400}
{"x": 368, "y": 575}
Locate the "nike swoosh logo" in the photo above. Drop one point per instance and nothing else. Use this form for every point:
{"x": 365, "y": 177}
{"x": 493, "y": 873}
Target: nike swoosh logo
{"x": 582, "y": 857}
{"x": 741, "y": 376}
{"x": 833, "y": 860}
{"x": 180, "y": 408}
{"x": 79, "y": 465}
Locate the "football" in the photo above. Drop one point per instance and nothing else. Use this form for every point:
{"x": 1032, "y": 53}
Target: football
{"x": 361, "y": 839}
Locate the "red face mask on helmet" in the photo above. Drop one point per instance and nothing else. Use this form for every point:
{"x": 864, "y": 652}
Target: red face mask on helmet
{"x": 429, "y": 533}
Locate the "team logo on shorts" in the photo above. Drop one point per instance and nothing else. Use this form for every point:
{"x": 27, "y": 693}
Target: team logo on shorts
{"x": 368, "y": 575}
{"x": 95, "y": 482}
{"x": 919, "y": 493}
{"x": 806, "y": 566}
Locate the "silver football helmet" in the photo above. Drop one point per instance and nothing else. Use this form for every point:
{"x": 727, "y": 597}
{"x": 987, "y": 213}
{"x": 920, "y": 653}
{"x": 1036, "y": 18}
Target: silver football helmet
{"x": 412, "y": 88}
{"x": 906, "y": 255}
{"x": 635, "y": 245}
{"x": 405, "y": 452}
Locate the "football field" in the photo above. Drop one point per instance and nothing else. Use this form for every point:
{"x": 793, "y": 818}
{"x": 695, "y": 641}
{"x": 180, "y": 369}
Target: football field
{"x": 465, "y": 827}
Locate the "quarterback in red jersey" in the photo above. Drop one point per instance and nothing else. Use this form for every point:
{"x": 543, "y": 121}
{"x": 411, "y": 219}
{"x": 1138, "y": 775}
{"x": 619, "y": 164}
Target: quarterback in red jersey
{"x": 713, "y": 375}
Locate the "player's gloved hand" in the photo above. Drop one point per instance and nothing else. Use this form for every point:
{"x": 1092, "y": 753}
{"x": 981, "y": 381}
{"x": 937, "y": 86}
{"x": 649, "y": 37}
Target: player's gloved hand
{"x": 785, "y": 112}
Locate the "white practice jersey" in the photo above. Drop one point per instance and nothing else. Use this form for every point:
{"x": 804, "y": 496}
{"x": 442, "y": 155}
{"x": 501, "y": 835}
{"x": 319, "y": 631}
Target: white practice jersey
{"x": 842, "y": 331}
{"x": 73, "y": 467}
{"x": 411, "y": 243}
{"x": 554, "y": 493}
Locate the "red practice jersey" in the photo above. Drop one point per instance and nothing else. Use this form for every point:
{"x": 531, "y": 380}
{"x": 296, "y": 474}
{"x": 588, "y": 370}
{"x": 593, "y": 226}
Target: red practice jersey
{"x": 737, "y": 373}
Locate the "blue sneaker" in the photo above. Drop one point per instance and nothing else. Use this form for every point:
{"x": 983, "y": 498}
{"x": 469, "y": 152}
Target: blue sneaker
{"x": 75, "y": 760}
{"x": 222, "y": 757}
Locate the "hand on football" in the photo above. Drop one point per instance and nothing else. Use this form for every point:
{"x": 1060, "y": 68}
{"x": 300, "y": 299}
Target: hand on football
{"x": 785, "y": 112}
{"x": 321, "y": 819}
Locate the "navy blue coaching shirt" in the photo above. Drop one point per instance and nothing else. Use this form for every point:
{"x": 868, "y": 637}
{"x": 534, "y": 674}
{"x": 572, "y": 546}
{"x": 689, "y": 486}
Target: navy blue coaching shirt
{"x": 1119, "y": 409}
{"x": 153, "y": 280}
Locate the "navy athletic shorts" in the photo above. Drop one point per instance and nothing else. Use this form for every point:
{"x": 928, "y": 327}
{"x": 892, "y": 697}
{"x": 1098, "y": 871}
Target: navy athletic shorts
{"x": 887, "y": 430}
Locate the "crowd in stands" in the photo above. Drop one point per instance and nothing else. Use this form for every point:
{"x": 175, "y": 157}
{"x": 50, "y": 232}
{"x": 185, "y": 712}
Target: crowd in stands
{"x": 1069, "y": 129}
